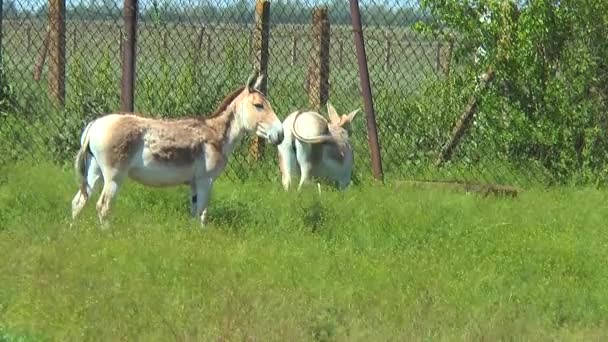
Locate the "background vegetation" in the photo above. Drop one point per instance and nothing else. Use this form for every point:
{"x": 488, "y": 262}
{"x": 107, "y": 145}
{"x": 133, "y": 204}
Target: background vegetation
{"x": 543, "y": 120}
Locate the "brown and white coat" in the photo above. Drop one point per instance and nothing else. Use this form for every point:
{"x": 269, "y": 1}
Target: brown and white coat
{"x": 169, "y": 152}
{"x": 316, "y": 147}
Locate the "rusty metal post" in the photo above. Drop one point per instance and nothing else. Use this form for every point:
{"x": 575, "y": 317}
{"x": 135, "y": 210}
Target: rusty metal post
{"x": 127, "y": 84}
{"x": 261, "y": 38}
{"x": 56, "y": 77}
{"x": 372, "y": 131}
{"x": 318, "y": 72}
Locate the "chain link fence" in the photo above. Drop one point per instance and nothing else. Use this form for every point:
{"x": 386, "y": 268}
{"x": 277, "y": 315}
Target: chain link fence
{"x": 460, "y": 92}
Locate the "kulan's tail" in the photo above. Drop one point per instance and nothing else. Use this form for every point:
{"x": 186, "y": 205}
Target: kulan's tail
{"x": 321, "y": 139}
{"x": 80, "y": 164}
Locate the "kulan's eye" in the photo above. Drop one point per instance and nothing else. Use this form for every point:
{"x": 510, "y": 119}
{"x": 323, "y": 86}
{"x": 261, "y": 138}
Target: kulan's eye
{"x": 259, "y": 105}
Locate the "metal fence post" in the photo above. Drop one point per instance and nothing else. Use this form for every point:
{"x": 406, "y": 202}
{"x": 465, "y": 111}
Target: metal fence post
{"x": 261, "y": 43}
{"x": 318, "y": 72}
{"x": 56, "y": 77}
{"x": 372, "y": 131}
{"x": 127, "y": 89}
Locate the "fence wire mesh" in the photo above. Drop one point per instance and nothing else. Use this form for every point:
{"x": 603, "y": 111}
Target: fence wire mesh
{"x": 540, "y": 117}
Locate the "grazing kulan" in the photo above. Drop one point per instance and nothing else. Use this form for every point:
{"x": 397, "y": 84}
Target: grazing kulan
{"x": 169, "y": 152}
{"x": 316, "y": 147}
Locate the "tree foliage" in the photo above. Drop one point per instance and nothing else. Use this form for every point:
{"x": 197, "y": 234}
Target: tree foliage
{"x": 551, "y": 62}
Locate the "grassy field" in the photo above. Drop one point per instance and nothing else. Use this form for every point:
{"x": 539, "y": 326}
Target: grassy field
{"x": 373, "y": 263}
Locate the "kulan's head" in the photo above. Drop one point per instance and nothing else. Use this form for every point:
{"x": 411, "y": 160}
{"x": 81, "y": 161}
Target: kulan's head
{"x": 256, "y": 113}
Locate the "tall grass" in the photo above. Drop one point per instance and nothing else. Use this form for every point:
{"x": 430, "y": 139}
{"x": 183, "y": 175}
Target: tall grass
{"x": 372, "y": 263}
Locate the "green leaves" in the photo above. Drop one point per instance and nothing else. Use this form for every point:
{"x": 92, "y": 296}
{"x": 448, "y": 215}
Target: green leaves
{"x": 550, "y": 60}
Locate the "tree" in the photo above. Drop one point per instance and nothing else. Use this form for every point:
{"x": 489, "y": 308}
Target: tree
{"x": 550, "y": 58}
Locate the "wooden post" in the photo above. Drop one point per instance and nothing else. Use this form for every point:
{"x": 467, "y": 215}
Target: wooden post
{"x": 56, "y": 76}
{"x": 74, "y": 39}
{"x": 447, "y": 58}
{"x": 318, "y": 71}
{"x": 261, "y": 40}
{"x": 438, "y": 57}
{"x": 1, "y": 19}
{"x": 294, "y": 49}
{"x": 127, "y": 82}
{"x": 387, "y": 52}
{"x": 41, "y": 56}
{"x": 28, "y": 34}
{"x": 464, "y": 122}
{"x": 199, "y": 46}
{"x": 340, "y": 52}
{"x": 251, "y": 52}
{"x": 208, "y": 43}
{"x": 121, "y": 42}
{"x": 444, "y": 56}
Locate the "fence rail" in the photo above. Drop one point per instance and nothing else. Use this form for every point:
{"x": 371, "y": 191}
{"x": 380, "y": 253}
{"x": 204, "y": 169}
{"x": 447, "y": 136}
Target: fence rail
{"x": 62, "y": 66}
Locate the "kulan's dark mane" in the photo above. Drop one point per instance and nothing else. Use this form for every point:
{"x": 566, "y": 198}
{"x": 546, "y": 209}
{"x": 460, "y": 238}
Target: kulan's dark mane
{"x": 225, "y": 103}
{"x": 217, "y": 112}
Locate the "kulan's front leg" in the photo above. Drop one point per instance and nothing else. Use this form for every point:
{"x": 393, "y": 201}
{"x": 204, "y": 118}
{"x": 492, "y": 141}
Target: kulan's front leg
{"x": 203, "y": 192}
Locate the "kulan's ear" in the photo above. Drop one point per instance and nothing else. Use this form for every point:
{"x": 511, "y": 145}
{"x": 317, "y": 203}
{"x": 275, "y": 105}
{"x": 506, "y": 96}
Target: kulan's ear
{"x": 347, "y": 119}
{"x": 352, "y": 114}
{"x": 250, "y": 81}
{"x": 332, "y": 113}
{"x": 258, "y": 83}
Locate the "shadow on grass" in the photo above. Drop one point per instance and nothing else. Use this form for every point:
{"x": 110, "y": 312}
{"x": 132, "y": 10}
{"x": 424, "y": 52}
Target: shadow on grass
{"x": 230, "y": 215}
{"x": 314, "y": 213}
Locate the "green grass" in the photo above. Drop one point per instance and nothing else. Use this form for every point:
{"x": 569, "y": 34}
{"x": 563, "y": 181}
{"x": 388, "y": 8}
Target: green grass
{"x": 373, "y": 263}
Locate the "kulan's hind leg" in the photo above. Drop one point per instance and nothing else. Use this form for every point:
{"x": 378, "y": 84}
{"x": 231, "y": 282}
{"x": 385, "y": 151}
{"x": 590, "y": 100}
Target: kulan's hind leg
{"x": 85, "y": 191}
{"x": 304, "y": 158}
{"x": 110, "y": 188}
{"x": 288, "y": 166}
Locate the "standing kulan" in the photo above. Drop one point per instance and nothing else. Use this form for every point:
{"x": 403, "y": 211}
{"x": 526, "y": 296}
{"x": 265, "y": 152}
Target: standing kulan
{"x": 169, "y": 152}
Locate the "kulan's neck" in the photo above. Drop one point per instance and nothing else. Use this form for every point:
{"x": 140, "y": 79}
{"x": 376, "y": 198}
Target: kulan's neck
{"x": 230, "y": 128}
